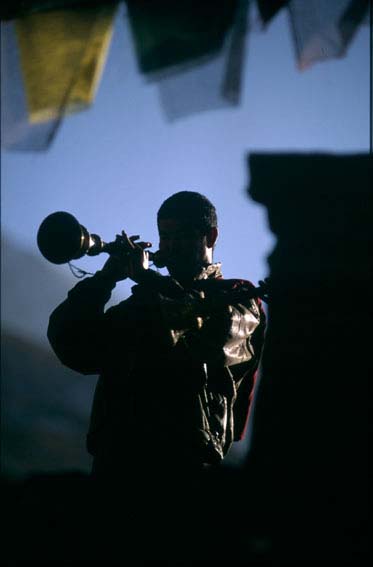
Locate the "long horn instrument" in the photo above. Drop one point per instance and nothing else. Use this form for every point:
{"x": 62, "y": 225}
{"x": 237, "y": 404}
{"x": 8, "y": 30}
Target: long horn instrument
{"x": 61, "y": 238}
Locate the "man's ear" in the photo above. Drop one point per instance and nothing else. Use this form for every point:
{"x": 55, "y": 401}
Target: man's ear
{"x": 212, "y": 236}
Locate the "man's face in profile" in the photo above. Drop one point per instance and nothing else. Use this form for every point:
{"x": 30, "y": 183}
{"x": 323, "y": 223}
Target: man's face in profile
{"x": 182, "y": 246}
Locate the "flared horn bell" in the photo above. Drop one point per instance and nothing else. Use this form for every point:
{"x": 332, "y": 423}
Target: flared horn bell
{"x": 61, "y": 238}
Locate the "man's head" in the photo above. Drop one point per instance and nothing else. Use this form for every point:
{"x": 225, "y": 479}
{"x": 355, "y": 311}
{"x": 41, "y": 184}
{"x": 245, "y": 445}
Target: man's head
{"x": 188, "y": 229}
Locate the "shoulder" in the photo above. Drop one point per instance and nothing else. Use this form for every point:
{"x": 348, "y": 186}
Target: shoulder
{"x": 239, "y": 283}
{"x": 234, "y": 284}
{"x": 246, "y": 291}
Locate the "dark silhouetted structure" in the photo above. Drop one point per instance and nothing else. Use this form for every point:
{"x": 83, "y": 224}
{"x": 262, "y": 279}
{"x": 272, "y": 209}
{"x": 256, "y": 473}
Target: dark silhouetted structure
{"x": 311, "y": 444}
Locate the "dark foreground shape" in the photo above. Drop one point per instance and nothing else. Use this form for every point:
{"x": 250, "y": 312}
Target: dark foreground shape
{"x": 71, "y": 517}
{"x": 310, "y": 456}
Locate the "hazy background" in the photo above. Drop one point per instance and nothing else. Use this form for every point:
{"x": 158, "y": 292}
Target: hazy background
{"x": 111, "y": 167}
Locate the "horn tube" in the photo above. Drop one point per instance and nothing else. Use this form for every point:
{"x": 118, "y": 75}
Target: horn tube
{"x": 61, "y": 238}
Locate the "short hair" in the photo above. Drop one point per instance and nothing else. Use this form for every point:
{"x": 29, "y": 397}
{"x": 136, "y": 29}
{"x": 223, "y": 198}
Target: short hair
{"x": 190, "y": 207}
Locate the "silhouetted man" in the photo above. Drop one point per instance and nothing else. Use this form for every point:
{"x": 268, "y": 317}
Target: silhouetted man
{"x": 177, "y": 359}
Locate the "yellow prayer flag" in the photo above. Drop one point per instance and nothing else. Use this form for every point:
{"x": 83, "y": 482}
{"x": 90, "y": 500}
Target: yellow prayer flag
{"x": 62, "y": 55}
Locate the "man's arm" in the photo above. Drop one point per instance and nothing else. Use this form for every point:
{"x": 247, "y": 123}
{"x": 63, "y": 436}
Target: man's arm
{"x": 215, "y": 327}
{"x": 224, "y": 337}
{"x": 76, "y": 327}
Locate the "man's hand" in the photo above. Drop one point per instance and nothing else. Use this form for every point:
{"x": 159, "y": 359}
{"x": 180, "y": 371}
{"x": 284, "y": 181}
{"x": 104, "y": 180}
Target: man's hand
{"x": 129, "y": 261}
